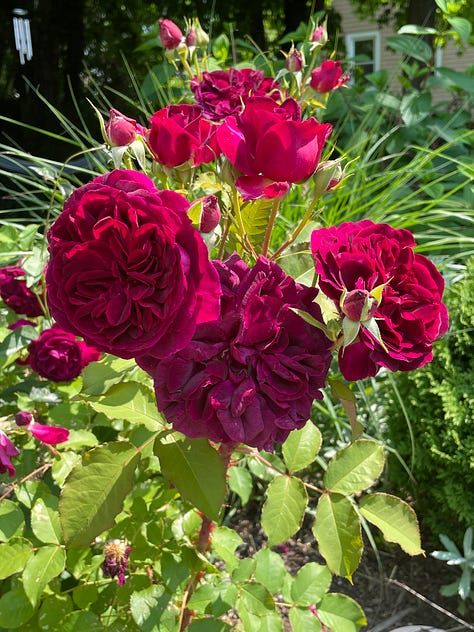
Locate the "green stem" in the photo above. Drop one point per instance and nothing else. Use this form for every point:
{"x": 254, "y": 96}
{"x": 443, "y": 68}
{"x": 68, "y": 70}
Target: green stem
{"x": 271, "y": 224}
{"x": 305, "y": 219}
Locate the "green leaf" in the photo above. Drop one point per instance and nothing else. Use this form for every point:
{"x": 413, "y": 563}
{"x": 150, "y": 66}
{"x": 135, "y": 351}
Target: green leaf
{"x": 311, "y": 583}
{"x": 99, "y": 377}
{"x": 284, "y": 508}
{"x": 302, "y": 447}
{"x": 130, "y": 401}
{"x": 15, "y": 609}
{"x": 303, "y": 619}
{"x": 256, "y": 599}
{"x": 338, "y": 532}
{"x": 224, "y": 543}
{"x": 411, "y": 46}
{"x": 47, "y": 563}
{"x": 13, "y": 556}
{"x": 459, "y": 79}
{"x": 415, "y": 107}
{"x": 355, "y": 467}
{"x": 220, "y": 47}
{"x": 79, "y": 621}
{"x": 11, "y": 520}
{"x": 269, "y": 570}
{"x": 45, "y": 520}
{"x": 240, "y": 482}
{"x": 53, "y": 610}
{"x": 18, "y": 339}
{"x": 462, "y": 27}
{"x": 255, "y": 215}
{"x": 416, "y": 29}
{"x": 348, "y": 401}
{"x": 147, "y": 607}
{"x": 197, "y": 470}
{"x": 95, "y": 490}
{"x": 208, "y": 625}
{"x": 341, "y": 613}
{"x": 395, "y": 518}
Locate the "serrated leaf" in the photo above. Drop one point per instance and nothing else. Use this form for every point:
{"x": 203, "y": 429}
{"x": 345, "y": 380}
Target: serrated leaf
{"x": 53, "y": 610}
{"x": 13, "y": 556}
{"x": 341, "y": 613}
{"x": 256, "y": 599}
{"x": 45, "y": 520}
{"x": 355, "y": 467}
{"x": 95, "y": 490}
{"x": 255, "y": 217}
{"x": 337, "y": 529}
{"x": 98, "y": 377}
{"x": 197, "y": 470}
{"x": 15, "y": 609}
{"x": 130, "y": 401}
{"x": 147, "y": 607}
{"x": 302, "y": 447}
{"x": 270, "y": 570}
{"x": 310, "y": 584}
{"x": 304, "y": 619}
{"x": 47, "y": 563}
{"x": 284, "y": 508}
{"x": 240, "y": 482}
{"x": 12, "y": 520}
{"x": 395, "y": 518}
{"x": 224, "y": 543}
{"x": 348, "y": 401}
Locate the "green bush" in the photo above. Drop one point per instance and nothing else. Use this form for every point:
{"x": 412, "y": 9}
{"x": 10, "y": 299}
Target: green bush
{"x": 439, "y": 408}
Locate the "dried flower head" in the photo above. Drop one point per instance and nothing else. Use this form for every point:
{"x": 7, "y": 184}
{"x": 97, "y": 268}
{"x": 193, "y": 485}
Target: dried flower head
{"x": 116, "y": 553}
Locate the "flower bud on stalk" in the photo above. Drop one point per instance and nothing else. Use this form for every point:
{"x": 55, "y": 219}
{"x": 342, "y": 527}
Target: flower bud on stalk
{"x": 359, "y": 305}
{"x": 295, "y": 60}
{"x": 120, "y": 130}
{"x": 320, "y": 35}
{"x": 170, "y": 34}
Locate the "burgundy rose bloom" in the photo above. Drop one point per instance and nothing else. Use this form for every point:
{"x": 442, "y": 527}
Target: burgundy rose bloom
{"x": 120, "y": 129}
{"x": 16, "y": 294}
{"x": 7, "y": 451}
{"x": 21, "y": 322}
{"x": 328, "y": 76}
{"x": 58, "y": 356}
{"x": 127, "y": 270}
{"x": 252, "y": 375}
{"x": 180, "y": 134}
{"x": 170, "y": 34}
{"x": 271, "y": 146}
{"x": 46, "y": 434}
{"x": 354, "y": 259}
{"x": 222, "y": 93}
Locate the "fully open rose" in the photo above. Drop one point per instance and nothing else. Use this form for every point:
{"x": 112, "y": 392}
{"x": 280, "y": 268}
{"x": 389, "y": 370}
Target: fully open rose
{"x": 353, "y": 260}
{"x": 250, "y": 376}
{"x": 127, "y": 270}
{"x": 271, "y": 146}
{"x": 16, "y": 294}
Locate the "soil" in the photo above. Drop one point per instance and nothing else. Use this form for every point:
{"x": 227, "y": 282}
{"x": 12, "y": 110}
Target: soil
{"x": 404, "y": 591}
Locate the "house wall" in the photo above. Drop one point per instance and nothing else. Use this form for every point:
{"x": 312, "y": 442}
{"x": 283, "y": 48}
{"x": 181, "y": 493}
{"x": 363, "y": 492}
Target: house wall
{"x": 389, "y": 60}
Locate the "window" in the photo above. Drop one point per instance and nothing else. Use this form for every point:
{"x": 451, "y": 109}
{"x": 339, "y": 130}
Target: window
{"x": 363, "y": 49}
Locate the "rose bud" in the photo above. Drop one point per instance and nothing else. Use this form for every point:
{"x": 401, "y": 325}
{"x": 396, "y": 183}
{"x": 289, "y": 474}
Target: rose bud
{"x": 46, "y": 434}
{"x": 191, "y": 37}
{"x": 295, "y": 60}
{"x": 328, "y": 76}
{"x": 320, "y": 35}
{"x": 170, "y": 34}
{"x": 210, "y": 215}
{"x": 121, "y": 130}
{"x": 359, "y": 305}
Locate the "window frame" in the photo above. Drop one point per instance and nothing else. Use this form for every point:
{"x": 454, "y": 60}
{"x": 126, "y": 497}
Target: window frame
{"x": 352, "y": 38}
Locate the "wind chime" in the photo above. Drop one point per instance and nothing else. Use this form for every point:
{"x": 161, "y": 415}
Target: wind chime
{"x": 21, "y": 28}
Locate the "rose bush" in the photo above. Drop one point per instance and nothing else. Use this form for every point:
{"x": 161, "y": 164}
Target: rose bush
{"x": 127, "y": 270}
{"x": 250, "y": 376}
{"x": 363, "y": 256}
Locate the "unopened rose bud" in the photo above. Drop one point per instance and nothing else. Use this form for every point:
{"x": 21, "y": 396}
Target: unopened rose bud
{"x": 191, "y": 37}
{"x": 202, "y": 38}
{"x": 359, "y": 305}
{"x": 121, "y": 130}
{"x": 320, "y": 35}
{"x": 328, "y": 174}
{"x": 205, "y": 213}
{"x": 23, "y": 418}
{"x": 295, "y": 60}
{"x": 170, "y": 34}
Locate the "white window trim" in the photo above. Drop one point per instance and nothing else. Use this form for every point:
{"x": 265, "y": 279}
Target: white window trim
{"x": 352, "y": 38}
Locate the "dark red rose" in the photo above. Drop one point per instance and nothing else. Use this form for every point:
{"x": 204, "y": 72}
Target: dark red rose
{"x": 120, "y": 129}
{"x": 170, "y": 34}
{"x": 222, "y": 93}
{"x": 271, "y": 146}
{"x": 15, "y": 293}
{"x": 252, "y": 375}
{"x": 352, "y": 261}
{"x": 179, "y": 134}
{"x": 328, "y": 76}
{"x": 58, "y": 356}
{"x": 127, "y": 270}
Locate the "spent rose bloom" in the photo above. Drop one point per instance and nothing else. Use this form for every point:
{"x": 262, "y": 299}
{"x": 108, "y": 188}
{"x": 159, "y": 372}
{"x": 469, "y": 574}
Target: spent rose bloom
{"x": 58, "y": 356}
{"x": 271, "y": 146}
{"x": 116, "y": 554}
{"x": 15, "y": 293}
{"x": 127, "y": 270}
{"x": 7, "y": 451}
{"x": 328, "y": 76}
{"x": 46, "y": 434}
{"x": 372, "y": 272}
{"x": 120, "y": 129}
{"x": 170, "y": 34}
{"x": 180, "y": 134}
{"x": 222, "y": 93}
{"x": 250, "y": 376}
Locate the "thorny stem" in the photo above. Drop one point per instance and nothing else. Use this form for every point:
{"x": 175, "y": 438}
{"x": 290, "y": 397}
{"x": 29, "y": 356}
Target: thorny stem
{"x": 271, "y": 224}
{"x": 32, "y": 474}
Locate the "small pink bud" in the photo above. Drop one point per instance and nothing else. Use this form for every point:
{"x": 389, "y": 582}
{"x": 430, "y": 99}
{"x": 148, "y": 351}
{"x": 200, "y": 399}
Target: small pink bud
{"x": 359, "y": 305}
{"x": 295, "y": 60}
{"x": 23, "y": 418}
{"x": 211, "y": 214}
{"x": 170, "y": 34}
{"x": 191, "y": 37}
{"x": 320, "y": 35}
{"x": 120, "y": 129}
